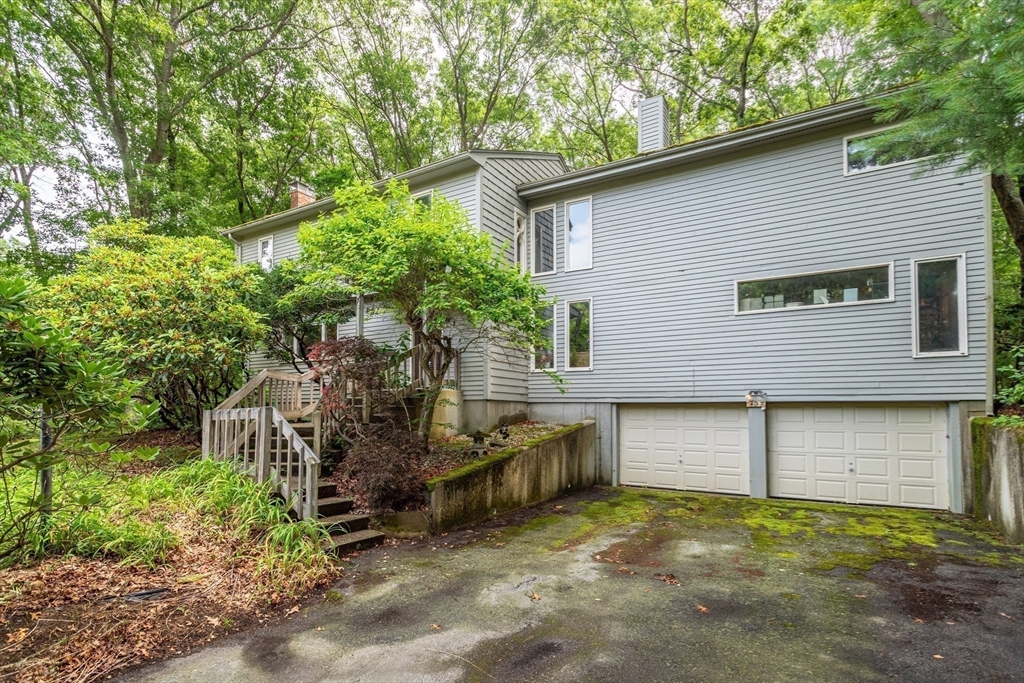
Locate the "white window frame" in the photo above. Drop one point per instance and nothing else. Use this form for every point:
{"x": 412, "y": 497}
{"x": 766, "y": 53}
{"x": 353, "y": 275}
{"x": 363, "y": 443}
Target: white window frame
{"x": 554, "y": 343}
{"x": 590, "y": 350}
{"x": 259, "y": 252}
{"x": 961, "y": 294}
{"x": 522, "y": 259}
{"x": 554, "y": 239}
{"x": 565, "y": 228}
{"x": 874, "y": 131}
{"x": 736, "y": 290}
{"x": 421, "y": 195}
{"x": 323, "y": 331}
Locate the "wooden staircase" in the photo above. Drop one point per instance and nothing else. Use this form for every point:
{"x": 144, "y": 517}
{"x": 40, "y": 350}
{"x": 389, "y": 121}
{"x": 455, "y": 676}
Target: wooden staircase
{"x": 274, "y": 430}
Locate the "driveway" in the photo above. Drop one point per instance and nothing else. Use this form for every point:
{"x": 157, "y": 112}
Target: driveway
{"x": 627, "y": 585}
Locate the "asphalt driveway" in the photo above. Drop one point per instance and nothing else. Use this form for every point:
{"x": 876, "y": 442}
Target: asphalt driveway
{"x": 628, "y": 585}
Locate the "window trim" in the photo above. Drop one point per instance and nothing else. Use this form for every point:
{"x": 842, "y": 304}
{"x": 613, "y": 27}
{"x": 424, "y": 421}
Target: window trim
{"x": 554, "y": 343}
{"x": 554, "y": 239}
{"x": 961, "y": 293}
{"x": 565, "y": 228}
{"x": 421, "y": 195}
{"x": 524, "y": 263}
{"x": 891, "y": 298}
{"x": 259, "y": 252}
{"x": 590, "y": 351}
{"x": 873, "y": 131}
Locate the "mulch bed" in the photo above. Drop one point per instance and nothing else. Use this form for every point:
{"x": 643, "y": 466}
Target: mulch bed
{"x": 445, "y": 455}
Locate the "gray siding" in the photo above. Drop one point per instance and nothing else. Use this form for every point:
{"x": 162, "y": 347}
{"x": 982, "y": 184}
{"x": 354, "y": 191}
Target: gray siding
{"x": 669, "y": 248}
{"x": 463, "y": 188}
{"x": 506, "y": 370}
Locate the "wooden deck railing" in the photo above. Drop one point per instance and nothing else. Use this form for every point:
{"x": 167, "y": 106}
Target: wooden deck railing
{"x": 295, "y": 396}
{"x": 261, "y": 444}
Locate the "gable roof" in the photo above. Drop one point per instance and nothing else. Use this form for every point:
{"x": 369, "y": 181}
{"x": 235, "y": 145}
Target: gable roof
{"x": 423, "y": 174}
{"x": 715, "y": 145}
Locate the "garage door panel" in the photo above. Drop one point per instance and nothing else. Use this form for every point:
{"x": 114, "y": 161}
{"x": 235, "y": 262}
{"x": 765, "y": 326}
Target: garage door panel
{"x": 897, "y": 453}
{"x": 791, "y": 488}
{"x": 703, "y": 448}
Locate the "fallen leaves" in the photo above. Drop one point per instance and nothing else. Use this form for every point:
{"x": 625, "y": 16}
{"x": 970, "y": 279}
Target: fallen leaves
{"x": 670, "y": 579}
{"x": 535, "y": 597}
{"x": 293, "y": 610}
{"x": 435, "y": 627}
{"x": 17, "y": 636}
{"x": 1004, "y": 614}
{"x": 937, "y": 656}
{"x": 702, "y": 609}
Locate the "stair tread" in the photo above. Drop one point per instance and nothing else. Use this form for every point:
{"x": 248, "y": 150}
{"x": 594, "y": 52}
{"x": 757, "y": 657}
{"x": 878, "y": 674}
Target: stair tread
{"x": 336, "y": 499}
{"x": 365, "y": 537}
{"x": 342, "y": 519}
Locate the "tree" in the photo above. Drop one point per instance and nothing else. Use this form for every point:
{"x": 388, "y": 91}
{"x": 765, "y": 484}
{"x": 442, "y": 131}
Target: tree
{"x": 142, "y": 67}
{"x": 427, "y": 267}
{"x": 967, "y": 59}
{"x": 294, "y": 318}
{"x": 171, "y": 310}
{"x": 44, "y": 371}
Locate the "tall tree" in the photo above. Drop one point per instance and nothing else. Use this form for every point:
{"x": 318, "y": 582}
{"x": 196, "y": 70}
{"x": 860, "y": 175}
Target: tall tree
{"x": 141, "y": 66}
{"x": 968, "y": 62}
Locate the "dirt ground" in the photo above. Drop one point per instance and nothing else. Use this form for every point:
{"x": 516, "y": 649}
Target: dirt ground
{"x": 627, "y": 585}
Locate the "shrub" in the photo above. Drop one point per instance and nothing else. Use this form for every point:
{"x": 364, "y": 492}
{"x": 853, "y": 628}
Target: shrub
{"x": 387, "y": 466}
{"x": 171, "y": 310}
{"x": 356, "y": 360}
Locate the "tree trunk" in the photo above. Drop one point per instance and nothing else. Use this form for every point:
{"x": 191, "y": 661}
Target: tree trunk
{"x": 1010, "y": 196}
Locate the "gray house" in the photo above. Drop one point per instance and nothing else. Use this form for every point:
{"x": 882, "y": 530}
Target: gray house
{"x": 773, "y": 311}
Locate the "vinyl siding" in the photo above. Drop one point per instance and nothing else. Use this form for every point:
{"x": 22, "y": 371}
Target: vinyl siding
{"x": 669, "y": 248}
{"x": 506, "y": 371}
{"x": 463, "y": 189}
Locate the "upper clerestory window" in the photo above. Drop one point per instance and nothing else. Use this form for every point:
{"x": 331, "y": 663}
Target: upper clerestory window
{"x": 870, "y": 284}
{"x": 579, "y": 235}
{"x": 869, "y": 152}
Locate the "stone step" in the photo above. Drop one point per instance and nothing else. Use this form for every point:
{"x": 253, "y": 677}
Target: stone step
{"x": 334, "y": 505}
{"x": 346, "y": 523}
{"x": 341, "y": 544}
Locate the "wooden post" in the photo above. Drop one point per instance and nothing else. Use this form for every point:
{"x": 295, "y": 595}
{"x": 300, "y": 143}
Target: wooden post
{"x": 207, "y": 428}
{"x": 310, "y": 503}
{"x": 264, "y": 427}
{"x": 317, "y": 431}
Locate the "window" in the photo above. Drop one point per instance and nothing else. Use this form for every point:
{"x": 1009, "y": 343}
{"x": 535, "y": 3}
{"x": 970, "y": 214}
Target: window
{"x": 866, "y": 153}
{"x": 425, "y": 199}
{"x": 266, "y": 253}
{"x": 544, "y": 357}
{"x": 542, "y": 241}
{"x": 869, "y": 284}
{"x": 520, "y": 243}
{"x": 940, "y": 311}
{"x": 577, "y": 320}
{"x": 579, "y": 240}
{"x": 330, "y": 332}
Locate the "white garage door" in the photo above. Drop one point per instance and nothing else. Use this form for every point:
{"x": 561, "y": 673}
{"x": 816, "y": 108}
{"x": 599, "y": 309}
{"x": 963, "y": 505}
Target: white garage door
{"x": 882, "y": 454}
{"x": 692, "y": 447}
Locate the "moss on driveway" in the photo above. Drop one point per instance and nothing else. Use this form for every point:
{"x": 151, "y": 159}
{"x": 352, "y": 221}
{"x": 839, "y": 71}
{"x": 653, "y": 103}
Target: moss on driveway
{"x": 636, "y": 585}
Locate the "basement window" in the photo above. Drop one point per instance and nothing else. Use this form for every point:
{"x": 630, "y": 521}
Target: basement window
{"x": 869, "y": 284}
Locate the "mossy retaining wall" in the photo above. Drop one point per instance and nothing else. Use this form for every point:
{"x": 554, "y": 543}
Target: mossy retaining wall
{"x": 536, "y": 471}
{"x": 999, "y": 476}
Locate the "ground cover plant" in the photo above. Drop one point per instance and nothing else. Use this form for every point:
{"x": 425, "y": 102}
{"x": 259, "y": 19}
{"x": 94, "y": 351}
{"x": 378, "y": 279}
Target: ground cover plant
{"x": 176, "y": 557}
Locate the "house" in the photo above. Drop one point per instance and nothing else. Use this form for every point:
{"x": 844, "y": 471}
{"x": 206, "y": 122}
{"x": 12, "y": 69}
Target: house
{"x": 772, "y": 311}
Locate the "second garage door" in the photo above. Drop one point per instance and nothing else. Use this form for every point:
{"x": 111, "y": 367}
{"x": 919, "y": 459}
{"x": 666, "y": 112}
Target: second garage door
{"x": 690, "y": 447}
{"x": 881, "y": 454}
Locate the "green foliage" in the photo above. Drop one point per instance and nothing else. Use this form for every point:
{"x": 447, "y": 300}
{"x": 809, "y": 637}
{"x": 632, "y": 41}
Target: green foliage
{"x": 292, "y": 315}
{"x": 171, "y": 310}
{"x": 1012, "y": 379}
{"x": 45, "y": 371}
{"x": 426, "y": 266}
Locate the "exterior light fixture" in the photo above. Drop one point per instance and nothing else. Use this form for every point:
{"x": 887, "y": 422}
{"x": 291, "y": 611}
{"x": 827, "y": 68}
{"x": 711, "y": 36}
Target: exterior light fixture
{"x": 757, "y": 399}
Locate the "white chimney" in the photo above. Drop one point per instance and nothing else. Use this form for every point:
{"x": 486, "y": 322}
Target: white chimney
{"x": 301, "y": 194}
{"x": 652, "y": 124}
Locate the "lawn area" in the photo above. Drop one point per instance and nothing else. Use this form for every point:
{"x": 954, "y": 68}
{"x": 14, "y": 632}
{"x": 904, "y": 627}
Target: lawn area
{"x": 171, "y": 556}
{"x": 638, "y": 585}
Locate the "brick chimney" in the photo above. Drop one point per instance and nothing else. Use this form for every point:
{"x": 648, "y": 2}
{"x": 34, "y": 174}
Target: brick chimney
{"x": 301, "y": 194}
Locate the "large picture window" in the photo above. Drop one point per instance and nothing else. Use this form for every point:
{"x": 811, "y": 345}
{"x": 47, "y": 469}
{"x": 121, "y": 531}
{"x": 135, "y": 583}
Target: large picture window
{"x": 579, "y": 238}
{"x": 544, "y": 356}
{"x": 940, "y": 311}
{"x": 578, "y": 333}
{"x": 825, "y": 288}
{"x": 868, "y": 152}
{"x": 542, "y": 241}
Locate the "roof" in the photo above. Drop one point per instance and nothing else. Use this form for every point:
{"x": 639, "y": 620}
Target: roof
{"x": 703, "y": 148}
{"x": 430, "y": 172}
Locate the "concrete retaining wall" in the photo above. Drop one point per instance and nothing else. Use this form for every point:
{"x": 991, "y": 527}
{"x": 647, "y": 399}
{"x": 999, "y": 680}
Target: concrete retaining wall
{"x": 999, "y": 476}
{"x": 504, "y": 481}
